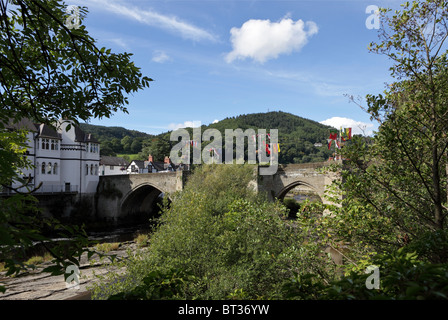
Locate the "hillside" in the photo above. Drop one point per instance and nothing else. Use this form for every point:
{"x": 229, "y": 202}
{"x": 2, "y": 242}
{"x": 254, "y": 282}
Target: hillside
{"x": 116, "y": 140}
{"x": 297, "y": 137}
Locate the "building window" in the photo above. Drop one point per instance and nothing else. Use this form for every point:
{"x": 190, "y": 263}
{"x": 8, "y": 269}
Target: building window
{"x": 96, "y": 170}
{"x": 55, "y": 168}
{"x": 49, "y": 144}
{"x": 43, "y": 168}
{"x": 91, "y": 169}
{"x": 49, "y": 168}
{"x": 111, "y": 167}
{"x": 87, "y": 169}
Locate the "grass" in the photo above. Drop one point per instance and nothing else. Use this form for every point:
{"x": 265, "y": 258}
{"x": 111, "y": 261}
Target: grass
{"x": 142, "y": 240}
{"x": 107, "y": 246}
{"x": 131, "y": 156}
{"x": 39, "y": 259}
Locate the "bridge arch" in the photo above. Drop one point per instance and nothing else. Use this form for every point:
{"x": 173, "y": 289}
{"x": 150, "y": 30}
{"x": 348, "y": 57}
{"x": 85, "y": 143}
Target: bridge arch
{"x": 294, "y": 202}
{"x": 283, "y": 192}
{"x": 141, "y": 204}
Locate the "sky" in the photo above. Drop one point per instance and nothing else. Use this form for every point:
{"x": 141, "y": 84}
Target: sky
{"x": 214, "y": 59}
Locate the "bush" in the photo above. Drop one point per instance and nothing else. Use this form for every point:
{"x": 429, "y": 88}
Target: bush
{"x": 158, "y": 285}
{"x": 230, "y": 241}
{"x": 402, "y": 277}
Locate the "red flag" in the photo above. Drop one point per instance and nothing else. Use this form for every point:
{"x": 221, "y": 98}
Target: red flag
{"x": 267, "y": 149}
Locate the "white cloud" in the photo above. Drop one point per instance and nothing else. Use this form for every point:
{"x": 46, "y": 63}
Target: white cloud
{"x": 358, "y": 127}
{"x": 155, "y": 19}
{"x": 119, "y": 42}
{"x": 262, "y": 40}
{"x": 186, "y": 124}
{"x": 215, "y": 121}
{"x": 160, "y": 57}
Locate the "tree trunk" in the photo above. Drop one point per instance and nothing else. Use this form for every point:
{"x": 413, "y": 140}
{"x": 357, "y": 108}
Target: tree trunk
{"x": 438, "y": 209}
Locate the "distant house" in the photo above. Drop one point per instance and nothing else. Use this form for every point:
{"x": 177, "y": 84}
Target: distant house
{"x": 151, "y": 166}
{"x": 136, "y": 166}
{"x": 112, "y": 165}
{"x": 63, "y": 161}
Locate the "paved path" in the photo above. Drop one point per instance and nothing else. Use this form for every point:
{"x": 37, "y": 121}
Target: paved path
{"x": 35, "y": 285}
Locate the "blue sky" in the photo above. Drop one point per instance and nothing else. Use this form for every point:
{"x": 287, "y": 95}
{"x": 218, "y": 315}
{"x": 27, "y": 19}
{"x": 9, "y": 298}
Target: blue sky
{"x": 216, "y": 59}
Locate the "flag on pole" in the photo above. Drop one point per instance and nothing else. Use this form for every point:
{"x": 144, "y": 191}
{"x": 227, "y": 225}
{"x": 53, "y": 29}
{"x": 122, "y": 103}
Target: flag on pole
{"x": 333, "y": 134}
{"x": 346, "y": 134}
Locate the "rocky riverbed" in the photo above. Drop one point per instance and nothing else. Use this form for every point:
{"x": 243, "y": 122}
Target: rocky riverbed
{"x": 36, "y": 285}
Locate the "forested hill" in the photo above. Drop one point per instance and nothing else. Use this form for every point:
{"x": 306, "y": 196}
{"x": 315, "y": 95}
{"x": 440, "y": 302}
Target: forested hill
{"x": 297, "y": 137}
{"x": 115, "y": 140}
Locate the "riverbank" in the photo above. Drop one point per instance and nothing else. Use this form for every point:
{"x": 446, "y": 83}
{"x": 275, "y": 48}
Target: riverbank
{"x": 36, "y": 285}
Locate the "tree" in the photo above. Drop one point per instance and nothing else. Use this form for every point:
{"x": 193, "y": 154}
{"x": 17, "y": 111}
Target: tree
{"x": 50, "y": 71}
{"x": 136, "y": 146}
{"x": 227, "y": 240}
{"x": 399, "y": 180}
{"x": 126, "y": 144}
{"x": 158, "y": 148}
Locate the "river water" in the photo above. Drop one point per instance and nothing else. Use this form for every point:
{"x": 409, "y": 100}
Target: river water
{"x": 119, "y": 234}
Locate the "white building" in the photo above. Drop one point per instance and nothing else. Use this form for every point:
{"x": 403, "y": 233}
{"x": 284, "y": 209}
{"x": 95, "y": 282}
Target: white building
{"x": 151, "y": 166}
{"x": 112, "y": 165}
{"x": 64, "y": 161}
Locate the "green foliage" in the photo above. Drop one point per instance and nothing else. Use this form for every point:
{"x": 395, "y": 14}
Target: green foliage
{"x": 390, "y": 203}
{"x": 158, "y": 147}
{"x": 402, "y": 277}
{"x": 409, "y": 153}
{"x": 431, "y": 246}
{"x": 158, "y": 285}
{"x": 46, "y": 64}
{"x": 232, "y": 241}
{"x": 49, "y": 72}
{"x": 297, "y": 137}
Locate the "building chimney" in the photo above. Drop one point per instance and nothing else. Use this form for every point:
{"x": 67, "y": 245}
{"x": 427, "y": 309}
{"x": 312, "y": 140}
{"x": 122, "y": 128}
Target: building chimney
{"x": 167, "y": 160}
{"x": 150, "y": 158}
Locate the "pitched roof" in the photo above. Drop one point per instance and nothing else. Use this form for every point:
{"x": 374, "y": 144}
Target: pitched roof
{"x": 46, "y": 131}
{"x": 113, "y": 161}
{"x": 138, "y": 163}
{"x": 24, "y": 123}
{"x": 159, "y": 166}
{"x": 81, "y": 136}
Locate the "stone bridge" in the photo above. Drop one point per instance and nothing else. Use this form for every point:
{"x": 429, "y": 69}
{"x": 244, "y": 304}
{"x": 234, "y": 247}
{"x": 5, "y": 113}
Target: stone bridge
{"x": 306, "y": 175}
{"x": 130, "y": 198}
